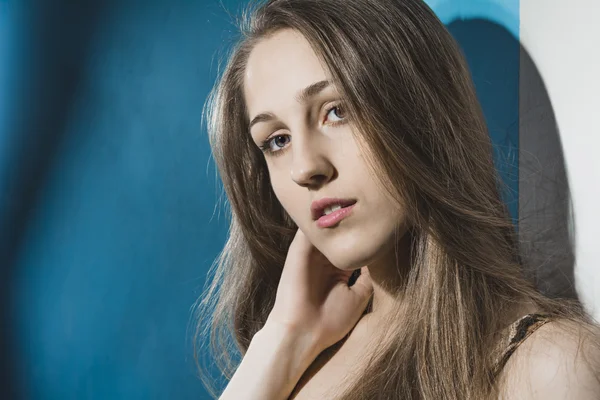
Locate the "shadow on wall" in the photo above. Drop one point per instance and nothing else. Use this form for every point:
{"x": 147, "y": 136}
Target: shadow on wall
{"x": 529, "y": 153}
{"x": 547, "y": 223}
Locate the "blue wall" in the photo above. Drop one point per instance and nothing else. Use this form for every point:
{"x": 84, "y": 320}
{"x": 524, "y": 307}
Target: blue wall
{"x": 108, "y": 216}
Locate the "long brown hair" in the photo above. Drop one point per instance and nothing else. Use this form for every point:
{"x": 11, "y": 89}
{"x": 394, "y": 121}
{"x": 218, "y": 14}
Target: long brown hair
{"x": 410, "y": 96}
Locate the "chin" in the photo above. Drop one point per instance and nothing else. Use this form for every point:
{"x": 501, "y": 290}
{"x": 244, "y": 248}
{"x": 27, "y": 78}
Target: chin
{"x": 352, "y": 264}
{"x": 353, "y": 251}
{"x": 348, "y": 260}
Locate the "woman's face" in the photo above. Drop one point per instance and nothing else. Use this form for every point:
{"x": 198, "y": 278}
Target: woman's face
{"x": 314, "y": 152}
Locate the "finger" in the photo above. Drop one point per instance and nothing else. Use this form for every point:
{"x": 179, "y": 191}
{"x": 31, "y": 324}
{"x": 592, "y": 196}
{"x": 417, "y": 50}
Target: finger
{"x": 363, "y": 286}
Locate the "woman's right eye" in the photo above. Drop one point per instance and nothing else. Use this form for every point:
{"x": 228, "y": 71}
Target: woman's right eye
{"x": 266, "y": 145}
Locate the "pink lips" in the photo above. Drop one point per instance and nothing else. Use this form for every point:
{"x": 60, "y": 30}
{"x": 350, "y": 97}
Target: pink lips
{"x": 318, "y": 206}
{"x": 331, "y": 219}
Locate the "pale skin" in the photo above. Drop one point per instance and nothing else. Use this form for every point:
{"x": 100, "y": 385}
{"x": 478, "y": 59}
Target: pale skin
{"x": 316, "y": 156}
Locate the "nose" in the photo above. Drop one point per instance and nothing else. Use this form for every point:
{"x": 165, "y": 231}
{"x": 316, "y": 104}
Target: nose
{"x": 310, "y": 165}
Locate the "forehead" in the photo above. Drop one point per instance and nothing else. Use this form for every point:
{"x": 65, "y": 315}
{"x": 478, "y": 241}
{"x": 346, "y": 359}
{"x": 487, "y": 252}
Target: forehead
{"x": 278, "y": 67}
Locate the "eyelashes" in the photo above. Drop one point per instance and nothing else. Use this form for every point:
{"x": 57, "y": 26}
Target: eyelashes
{"x": 266, "y": 147}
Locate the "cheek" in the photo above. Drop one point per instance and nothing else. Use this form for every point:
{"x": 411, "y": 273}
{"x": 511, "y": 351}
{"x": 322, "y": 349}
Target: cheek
{"x": 292, "y": 203}
{"x": 282, "y": 195}
{"x": 287, "y": 203}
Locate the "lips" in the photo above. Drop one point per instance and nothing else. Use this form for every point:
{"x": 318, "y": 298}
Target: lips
{"x": 317, "y": 208}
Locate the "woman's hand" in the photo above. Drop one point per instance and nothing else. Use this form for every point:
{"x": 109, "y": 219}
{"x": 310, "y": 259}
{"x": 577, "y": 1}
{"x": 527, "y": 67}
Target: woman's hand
{"x": 313, "y": 296}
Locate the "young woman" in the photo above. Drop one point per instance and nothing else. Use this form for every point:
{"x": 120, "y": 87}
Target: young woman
{"x": 349, "y": 139}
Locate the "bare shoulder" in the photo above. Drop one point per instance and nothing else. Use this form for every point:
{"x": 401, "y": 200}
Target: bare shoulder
{"x": 558, "y": 361}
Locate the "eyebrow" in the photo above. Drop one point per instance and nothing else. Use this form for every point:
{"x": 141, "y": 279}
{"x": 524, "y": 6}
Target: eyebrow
{"x": 302, "y": 97}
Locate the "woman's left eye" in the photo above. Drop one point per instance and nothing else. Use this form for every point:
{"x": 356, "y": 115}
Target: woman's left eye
{"x": 336, "y": 111}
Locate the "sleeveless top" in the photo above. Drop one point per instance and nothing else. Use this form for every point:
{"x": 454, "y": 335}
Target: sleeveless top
{"x": 518, "y": 331}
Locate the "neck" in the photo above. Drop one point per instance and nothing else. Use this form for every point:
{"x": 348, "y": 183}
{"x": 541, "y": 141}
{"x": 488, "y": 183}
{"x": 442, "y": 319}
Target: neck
{"x": 389, "y": 275}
